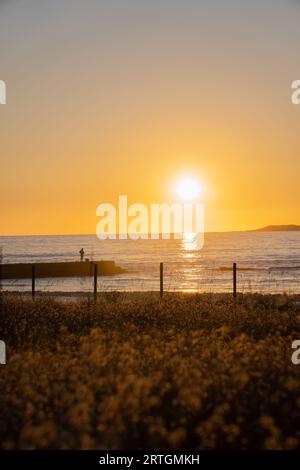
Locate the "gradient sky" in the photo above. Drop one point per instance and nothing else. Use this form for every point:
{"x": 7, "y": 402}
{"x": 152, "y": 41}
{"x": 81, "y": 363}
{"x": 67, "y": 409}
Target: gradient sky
{"x": 125, "y": 96}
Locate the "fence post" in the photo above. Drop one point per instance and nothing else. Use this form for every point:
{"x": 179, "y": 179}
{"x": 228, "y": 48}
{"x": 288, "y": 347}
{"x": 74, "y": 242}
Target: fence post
{"x": 33, "y": 281}
{"x": 234, "y": 280}
{"x": 161, "y": 279}
{"x": 95, "y": 281}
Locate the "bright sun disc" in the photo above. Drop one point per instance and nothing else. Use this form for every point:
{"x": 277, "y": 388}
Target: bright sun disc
{"x": 188, "y": 189}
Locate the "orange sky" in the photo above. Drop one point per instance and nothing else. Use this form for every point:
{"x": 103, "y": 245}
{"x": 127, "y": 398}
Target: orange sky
{"x": 105, "y": 100}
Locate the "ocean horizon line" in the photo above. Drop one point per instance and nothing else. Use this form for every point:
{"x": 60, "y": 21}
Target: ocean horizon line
{"x": 257, "y": 230}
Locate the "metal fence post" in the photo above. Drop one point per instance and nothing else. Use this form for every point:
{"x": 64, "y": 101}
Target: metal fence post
{"x": 33, "y": 281}
{"x": 95, "y": 281}
{"x": 234, "y": 280}
{"x": 161, "y": 279}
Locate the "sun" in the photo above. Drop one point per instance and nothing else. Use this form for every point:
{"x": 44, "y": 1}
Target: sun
{"x": 188, "y": 189}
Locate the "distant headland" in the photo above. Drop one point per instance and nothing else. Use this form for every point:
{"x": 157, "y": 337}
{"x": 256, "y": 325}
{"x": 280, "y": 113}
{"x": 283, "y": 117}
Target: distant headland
{"x": 278, "y": 228}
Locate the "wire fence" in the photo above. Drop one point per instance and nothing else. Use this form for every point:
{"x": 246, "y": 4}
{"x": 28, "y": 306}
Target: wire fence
{"x": 162, "y": 278}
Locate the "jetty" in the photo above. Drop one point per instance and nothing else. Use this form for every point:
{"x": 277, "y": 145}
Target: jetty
{"x": 60, "y": 269}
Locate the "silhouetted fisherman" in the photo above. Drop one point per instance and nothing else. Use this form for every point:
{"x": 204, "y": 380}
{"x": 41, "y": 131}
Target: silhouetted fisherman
{"x": 81, "y": 254}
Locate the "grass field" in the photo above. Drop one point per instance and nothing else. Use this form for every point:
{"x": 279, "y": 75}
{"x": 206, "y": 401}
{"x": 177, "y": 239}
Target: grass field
{"x": 134, "y": 371}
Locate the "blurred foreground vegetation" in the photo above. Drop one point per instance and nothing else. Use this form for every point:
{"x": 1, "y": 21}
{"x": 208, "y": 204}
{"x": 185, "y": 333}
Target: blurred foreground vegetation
{"x": 134, "y": 371}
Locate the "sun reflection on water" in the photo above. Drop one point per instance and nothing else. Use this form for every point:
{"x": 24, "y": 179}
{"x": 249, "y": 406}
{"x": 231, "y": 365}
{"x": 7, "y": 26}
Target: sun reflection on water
{"x": 189, "y": 243}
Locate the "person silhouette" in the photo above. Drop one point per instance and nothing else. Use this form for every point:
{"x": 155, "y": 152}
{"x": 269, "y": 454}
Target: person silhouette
{"x": 81, "y": 254}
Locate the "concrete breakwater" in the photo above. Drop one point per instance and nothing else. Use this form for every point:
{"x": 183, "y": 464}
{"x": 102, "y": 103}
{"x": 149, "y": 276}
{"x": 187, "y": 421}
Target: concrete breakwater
{"x": 61, "y": 269}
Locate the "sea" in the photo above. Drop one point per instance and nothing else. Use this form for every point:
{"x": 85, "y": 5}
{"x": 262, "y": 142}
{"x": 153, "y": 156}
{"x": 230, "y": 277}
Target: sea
{"x": 268, "y": 262}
